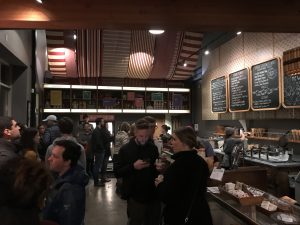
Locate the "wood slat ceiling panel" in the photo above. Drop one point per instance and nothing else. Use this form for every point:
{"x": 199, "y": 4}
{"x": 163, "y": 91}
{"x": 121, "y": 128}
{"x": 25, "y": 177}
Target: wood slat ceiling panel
{"x": 141, "y": 55}
{"x": 165, "y": 49}
{"x": 191, "y": 42}
{"x": 116, "y": 50}
{"x": 56, "y": 52}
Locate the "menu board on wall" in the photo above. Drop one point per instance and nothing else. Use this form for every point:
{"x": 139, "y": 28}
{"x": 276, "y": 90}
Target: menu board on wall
{"x": 239, "y": 91}
{"x": 265, "y": 85}
{"x": 219, "y": 94}
{"x": 291, "y": 95}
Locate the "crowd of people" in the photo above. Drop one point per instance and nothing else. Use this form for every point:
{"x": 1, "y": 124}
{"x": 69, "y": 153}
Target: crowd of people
{"x": 50, "y": 166}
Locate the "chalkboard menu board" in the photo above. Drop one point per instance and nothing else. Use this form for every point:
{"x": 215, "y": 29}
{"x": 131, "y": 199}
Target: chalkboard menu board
{"x": 265, "y": 85}
{"x": 291, "y": 91}
{"x": 239, "y": 91}
{"x": 219, "y": 94}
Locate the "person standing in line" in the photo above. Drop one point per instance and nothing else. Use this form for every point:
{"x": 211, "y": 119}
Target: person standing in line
{"x": 121, "y": 139}
{"x": 98, "y": 151}
{"x": 66, "y": 126}
{"x": 52, "y": 131}
{"x": 9, "y": 131}
{"x": 84, "y": 139}
{"x": 182, "y": 188}
{"x": 29, "y": 141}
{"x": 165, "y": 136}
{"x": 66, "y": 201}
{"x": 108, "y": 138}
{"x": 136, "y": 166}
{"x": 152, "y": 127}
{"x": 23, "y": 188}
{"x": 41, "y": 146}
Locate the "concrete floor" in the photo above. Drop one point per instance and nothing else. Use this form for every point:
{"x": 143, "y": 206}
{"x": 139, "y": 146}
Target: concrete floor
{"x": 104, "y": 207}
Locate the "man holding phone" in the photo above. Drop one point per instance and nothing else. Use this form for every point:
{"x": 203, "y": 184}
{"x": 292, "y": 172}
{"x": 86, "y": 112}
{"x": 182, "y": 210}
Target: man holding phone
{"x": 136, "y": 165}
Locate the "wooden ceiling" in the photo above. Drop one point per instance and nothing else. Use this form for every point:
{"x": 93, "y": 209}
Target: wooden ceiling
{"x": 194, "y": 15}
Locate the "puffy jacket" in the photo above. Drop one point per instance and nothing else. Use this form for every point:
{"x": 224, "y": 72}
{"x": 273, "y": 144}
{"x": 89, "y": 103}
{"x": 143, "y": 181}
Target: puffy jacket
{"x": 66, "y": 201}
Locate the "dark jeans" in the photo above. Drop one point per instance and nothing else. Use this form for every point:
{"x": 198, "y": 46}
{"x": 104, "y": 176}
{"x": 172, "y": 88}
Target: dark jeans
{"x": 143, "y": 213}
{"x": 98, "y": 163}
{"x": 104, "y": 166}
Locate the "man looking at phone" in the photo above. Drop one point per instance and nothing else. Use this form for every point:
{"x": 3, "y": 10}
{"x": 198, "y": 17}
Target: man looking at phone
{"x": 136, "y": 166}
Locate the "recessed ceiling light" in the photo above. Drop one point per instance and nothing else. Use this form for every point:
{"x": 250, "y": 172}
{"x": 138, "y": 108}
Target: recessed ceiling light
{"x": 40, "y": 1}
{"x": 74, "y": 36}
{"x": 206, "y": 52}
{"x": 156, "y": 31}
{"x": 185, "y": 64}
{"x": 239, "y": 32}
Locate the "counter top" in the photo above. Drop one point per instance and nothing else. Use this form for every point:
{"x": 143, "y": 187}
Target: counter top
{"x": 248, "y": 214}
{"x": 265, "y": 162}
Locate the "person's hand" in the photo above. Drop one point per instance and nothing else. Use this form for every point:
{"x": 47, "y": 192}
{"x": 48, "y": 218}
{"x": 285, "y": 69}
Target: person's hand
{"x": 159, "y": 179}
{"x": 140, "y": 164}
{"x": 160, "y": 165}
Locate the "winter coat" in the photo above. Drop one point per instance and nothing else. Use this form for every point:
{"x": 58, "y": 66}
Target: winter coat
{"x": 7, "y": 151}
{"x": 137, "y": 184}
{"x": 185, "y": 181}
{"x": 66, "y": 201}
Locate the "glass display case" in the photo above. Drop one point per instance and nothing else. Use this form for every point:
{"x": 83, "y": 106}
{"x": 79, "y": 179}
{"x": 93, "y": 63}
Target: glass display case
{"x": 115, "y": 99}
{"x": 84, "y": 98}
{"x": 179, "y": 100}
{"x": 57, "y": 98}
{"x": 133, "y": 99}
{"x": 156, "y": 100}
{"x": 110, "y": 99}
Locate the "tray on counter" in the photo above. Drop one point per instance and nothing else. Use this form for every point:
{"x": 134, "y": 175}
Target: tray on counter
{"x": 246, "y": 201}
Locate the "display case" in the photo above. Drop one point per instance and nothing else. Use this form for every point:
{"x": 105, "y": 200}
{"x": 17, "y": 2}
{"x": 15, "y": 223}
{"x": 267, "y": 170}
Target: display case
{"x": 179, "y": 100}
{"x": 133, "y": 99}
{"x": 253, "y": 214}
{"x": 110, "y": 99}
{"x": 83, "y": 98}
{"x": 57, "y": 98}
{"x": 156, "y": 100}
{"x": 115, "y": 99}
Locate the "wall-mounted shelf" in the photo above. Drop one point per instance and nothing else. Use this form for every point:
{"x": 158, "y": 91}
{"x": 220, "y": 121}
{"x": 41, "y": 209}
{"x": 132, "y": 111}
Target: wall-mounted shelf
{"x": 115, "y": 99}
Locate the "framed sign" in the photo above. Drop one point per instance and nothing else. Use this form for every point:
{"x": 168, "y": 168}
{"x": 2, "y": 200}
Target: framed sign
{"x": 266, "y": 85}
{"x": 219, "y": 94}
{"x": 238, "y": 83}
{"x": 291, "y": 91}
{"x": 158, "y": 96}
{"x": 86, "y": 95}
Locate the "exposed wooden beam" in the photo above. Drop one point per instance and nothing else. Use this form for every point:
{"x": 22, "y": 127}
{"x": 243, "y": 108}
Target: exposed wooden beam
{"x": 195, "y": 15}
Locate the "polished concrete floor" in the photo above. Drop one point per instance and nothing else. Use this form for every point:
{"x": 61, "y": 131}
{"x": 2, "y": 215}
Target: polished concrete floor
{"x": 104, "y": 207}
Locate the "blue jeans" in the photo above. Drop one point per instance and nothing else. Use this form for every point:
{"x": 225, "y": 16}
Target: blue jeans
{"x": 99, "y": 157}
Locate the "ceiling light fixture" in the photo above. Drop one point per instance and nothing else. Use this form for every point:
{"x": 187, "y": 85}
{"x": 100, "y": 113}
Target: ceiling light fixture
{"x": 185, "y": 64}
{"x": 40, "y": 1}
{"x": 74, "y": 36}
{"x": 206, "y": 52}
{"x": 239, "y": 32}
{"x": 156, "y": 31}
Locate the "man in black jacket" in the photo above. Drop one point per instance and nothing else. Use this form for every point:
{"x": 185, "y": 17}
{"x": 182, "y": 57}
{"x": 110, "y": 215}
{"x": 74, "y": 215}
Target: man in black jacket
{"x": 98, "y": 150}
{"x": 136, "y": 166}
{"x": 9, "y": 131}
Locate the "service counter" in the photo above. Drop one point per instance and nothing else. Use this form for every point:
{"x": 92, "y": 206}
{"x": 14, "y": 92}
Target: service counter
{"x": 249, "y": 214}
{"x": 278, "y": 173}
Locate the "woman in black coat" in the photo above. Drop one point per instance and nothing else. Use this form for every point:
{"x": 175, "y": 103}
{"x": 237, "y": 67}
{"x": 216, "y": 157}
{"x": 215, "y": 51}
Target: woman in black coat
{"x": 182, "y": 188}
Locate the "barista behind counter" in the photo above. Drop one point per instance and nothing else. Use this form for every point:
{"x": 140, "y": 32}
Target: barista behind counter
{"x": 229, "y": 143}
